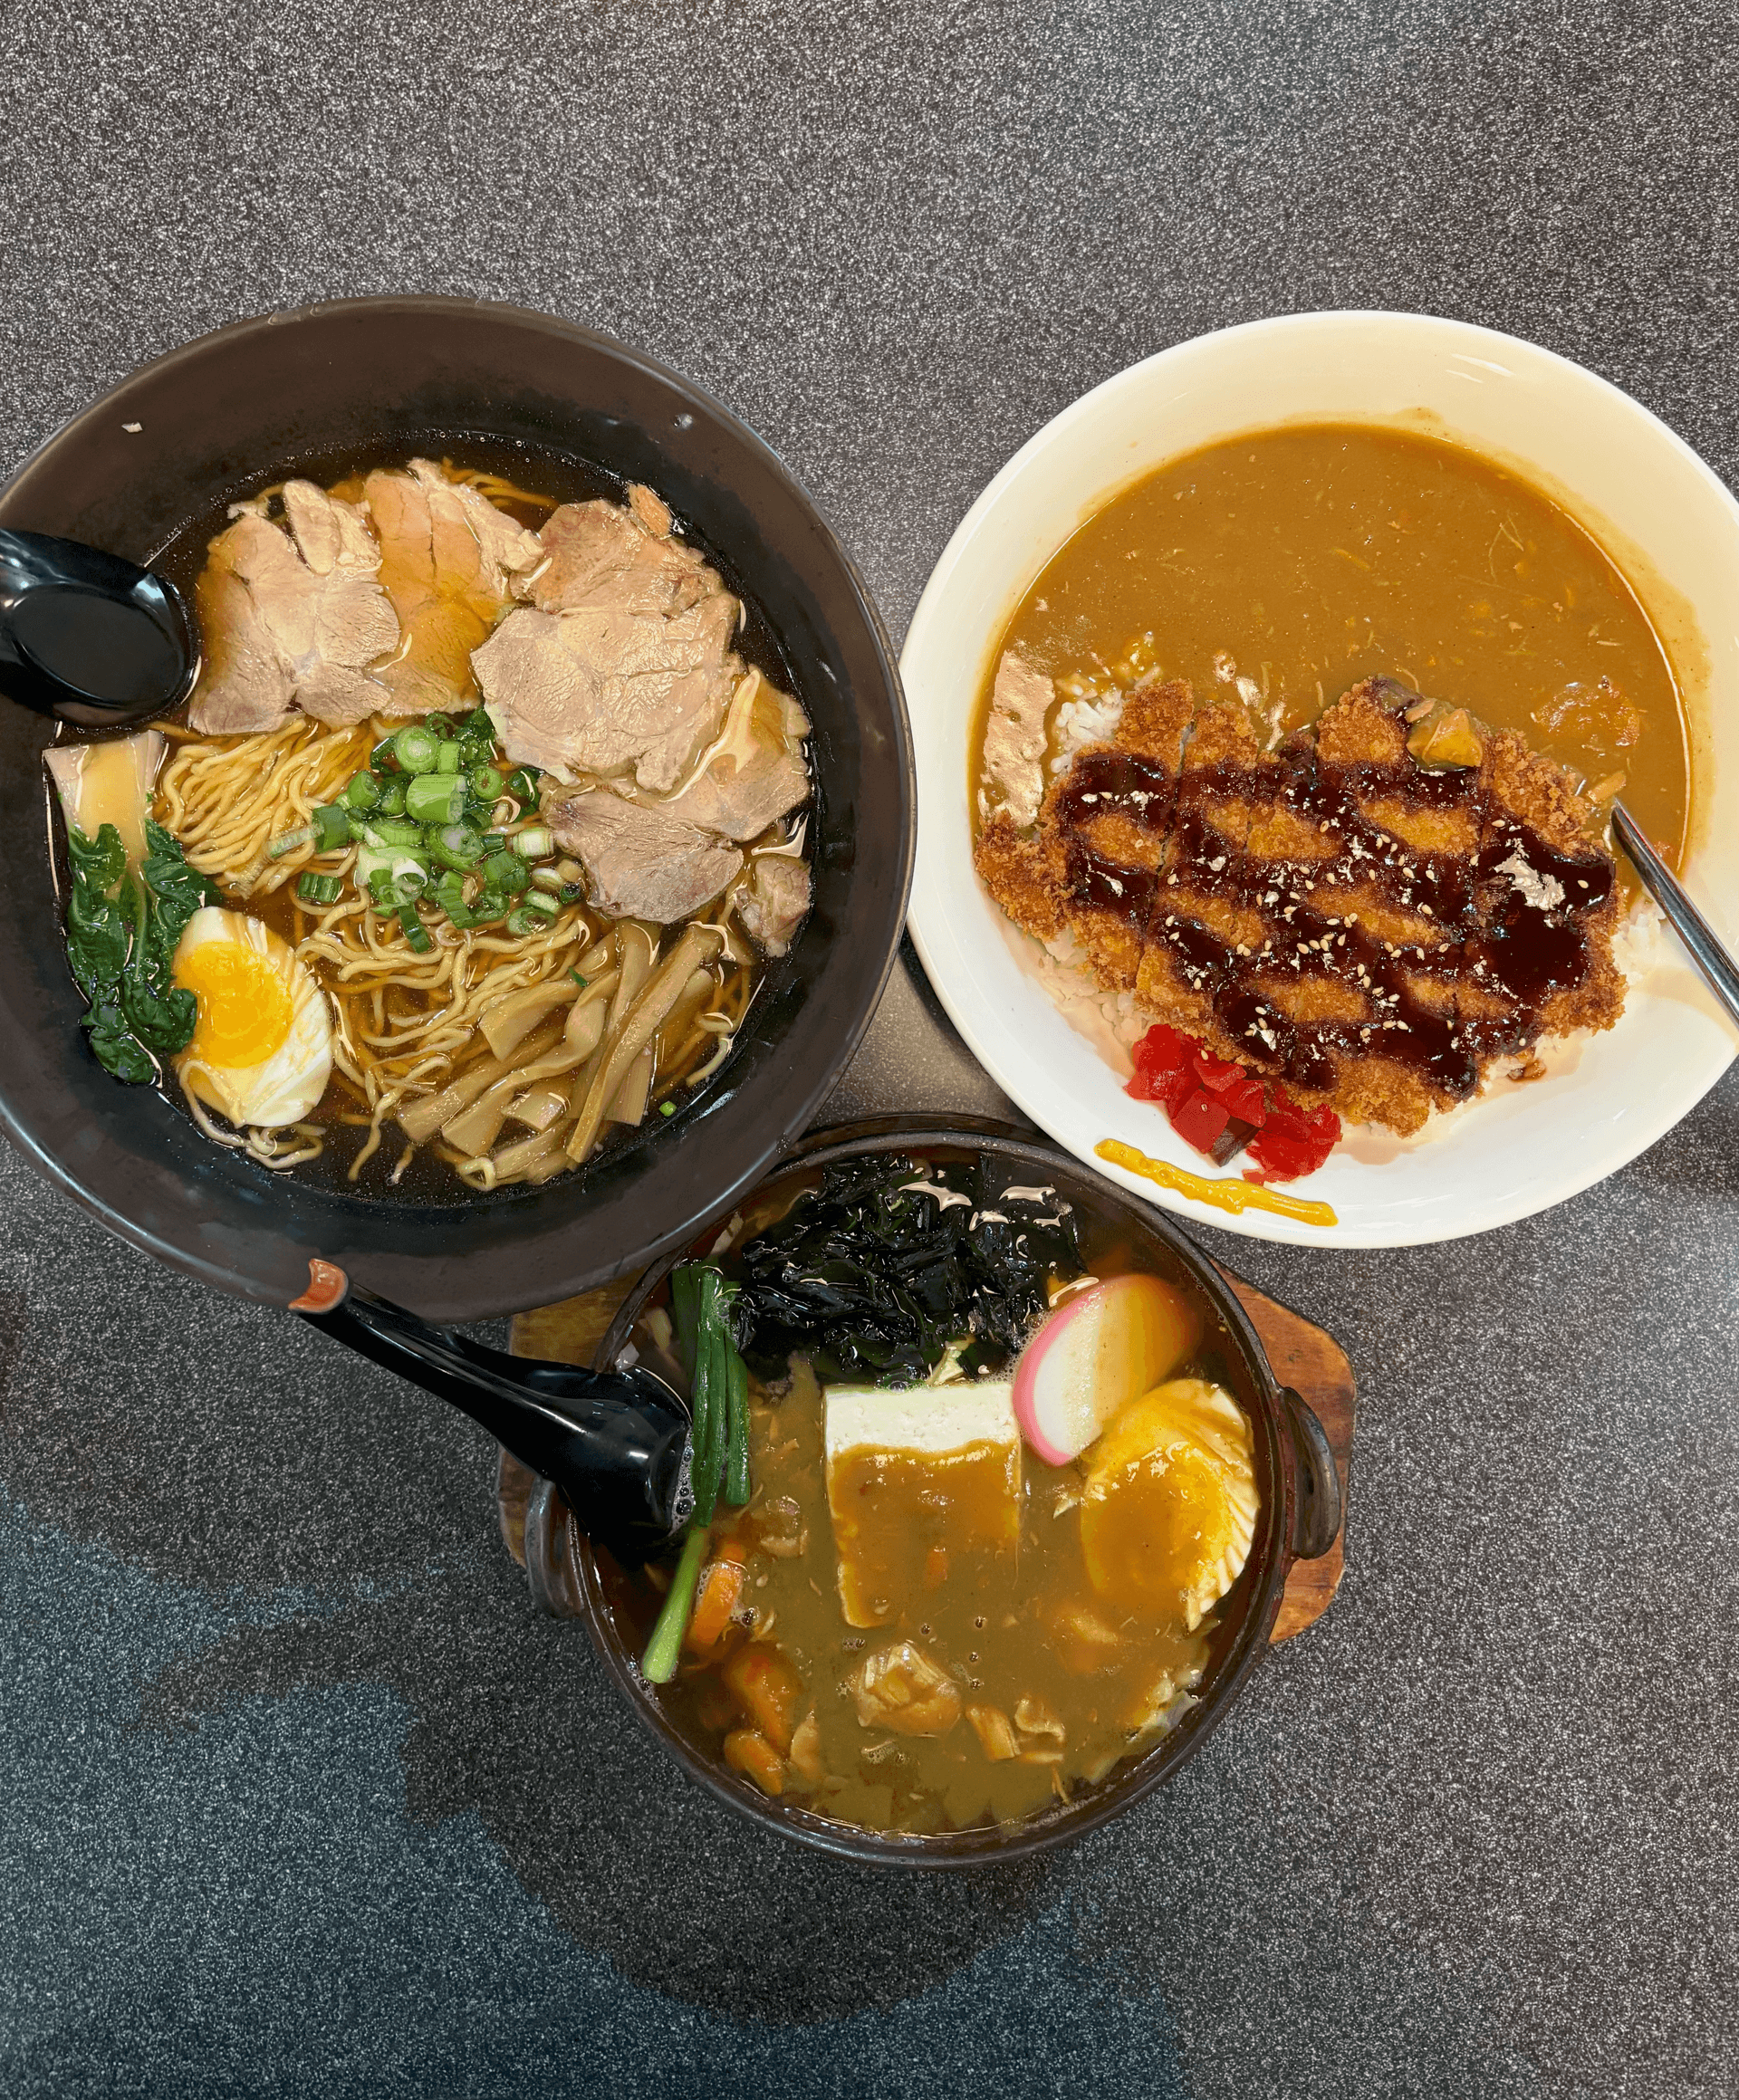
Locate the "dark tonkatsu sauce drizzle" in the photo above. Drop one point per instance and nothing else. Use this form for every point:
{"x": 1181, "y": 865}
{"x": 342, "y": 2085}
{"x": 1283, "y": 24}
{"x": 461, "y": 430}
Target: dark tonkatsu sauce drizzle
{"x": 1490, "y": 934}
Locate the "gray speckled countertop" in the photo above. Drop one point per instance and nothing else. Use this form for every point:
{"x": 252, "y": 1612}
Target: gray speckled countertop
{"x": 297, "y": 1795}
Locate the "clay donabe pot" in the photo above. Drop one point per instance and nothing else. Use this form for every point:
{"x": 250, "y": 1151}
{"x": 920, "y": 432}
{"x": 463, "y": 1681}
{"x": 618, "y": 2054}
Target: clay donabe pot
{"x": 1296, "y": 1473}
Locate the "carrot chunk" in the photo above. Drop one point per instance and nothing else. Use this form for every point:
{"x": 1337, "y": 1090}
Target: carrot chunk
{"x": 720, "y": 1592}
{"x": 768, "y": 1690}
{"x": 751, "y": 1753}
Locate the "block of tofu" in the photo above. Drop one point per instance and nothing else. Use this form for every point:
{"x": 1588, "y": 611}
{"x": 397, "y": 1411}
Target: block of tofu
{"x": 924, "y": 1487}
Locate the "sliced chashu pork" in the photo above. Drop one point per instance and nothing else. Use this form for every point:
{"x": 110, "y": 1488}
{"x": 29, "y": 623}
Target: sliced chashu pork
{"x": 752, "y": 776}
{"x": 601, "y": 555}
{"x": 606, "y": 692}
{"x": 640, "y": 863}
{"x": 290, "y": 620}
{"x": 771, "y": 905}
{"x": 1015, "y": 736}
{"x": 451, "y": 563}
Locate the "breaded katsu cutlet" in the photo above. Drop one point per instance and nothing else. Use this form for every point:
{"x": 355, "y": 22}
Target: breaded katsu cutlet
{"x": 1374, "y": 930}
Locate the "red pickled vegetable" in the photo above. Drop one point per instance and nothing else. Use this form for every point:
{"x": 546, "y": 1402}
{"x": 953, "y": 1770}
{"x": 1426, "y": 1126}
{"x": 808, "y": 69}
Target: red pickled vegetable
{"x": 1200, "y": 1120}
{"x": 1215, "y": 1105}
{"x": 1215, "y": 1073}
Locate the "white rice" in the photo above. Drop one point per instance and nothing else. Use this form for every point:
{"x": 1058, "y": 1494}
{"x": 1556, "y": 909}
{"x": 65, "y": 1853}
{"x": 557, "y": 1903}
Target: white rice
{"x": 1091, "y": 719}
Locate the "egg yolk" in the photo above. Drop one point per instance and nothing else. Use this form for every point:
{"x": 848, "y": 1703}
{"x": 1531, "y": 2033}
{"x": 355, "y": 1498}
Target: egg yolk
{"x": 1152, "y": 1528}
{"x": 244, "y": 1011}
{"x": 1154, "y": 1514}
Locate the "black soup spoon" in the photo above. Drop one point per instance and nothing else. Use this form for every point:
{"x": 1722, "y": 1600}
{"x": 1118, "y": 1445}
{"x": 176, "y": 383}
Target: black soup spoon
{"x": 613, "y": 1442}
{"x": 88, "y": 636}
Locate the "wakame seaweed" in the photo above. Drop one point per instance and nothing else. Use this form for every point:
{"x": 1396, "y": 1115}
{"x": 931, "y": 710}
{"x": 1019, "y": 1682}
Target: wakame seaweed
{"x": 121, "y": 931}
{"x": 876, "y": 1273}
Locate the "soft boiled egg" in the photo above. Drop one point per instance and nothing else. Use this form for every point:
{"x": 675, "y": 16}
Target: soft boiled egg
{"x": 1168, "y": 1511}
{"x": 261, "y": 1047}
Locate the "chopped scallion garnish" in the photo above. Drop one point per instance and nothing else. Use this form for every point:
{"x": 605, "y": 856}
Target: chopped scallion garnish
{"x": 331, "y": 827}
{"x": 436, "y": 798}
{"x": 416, "y": 748}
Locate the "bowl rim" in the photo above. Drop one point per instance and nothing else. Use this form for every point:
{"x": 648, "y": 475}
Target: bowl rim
{"x": 806, "y": 1089}
{"x": 990, "y": 1035}
{"x": 986, "y": 1844}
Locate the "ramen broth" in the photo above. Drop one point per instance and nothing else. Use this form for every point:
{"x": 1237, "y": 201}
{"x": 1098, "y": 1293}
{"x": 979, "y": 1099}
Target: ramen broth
{"x": 527, "y": 485}
{"x": 1306, "y": 558}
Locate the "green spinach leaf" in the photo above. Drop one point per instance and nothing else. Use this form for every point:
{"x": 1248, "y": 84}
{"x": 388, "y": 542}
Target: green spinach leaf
{"x": 121, "y": 931}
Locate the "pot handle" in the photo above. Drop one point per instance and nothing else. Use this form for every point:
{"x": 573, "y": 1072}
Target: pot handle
{"x": 1320, "y": 1506}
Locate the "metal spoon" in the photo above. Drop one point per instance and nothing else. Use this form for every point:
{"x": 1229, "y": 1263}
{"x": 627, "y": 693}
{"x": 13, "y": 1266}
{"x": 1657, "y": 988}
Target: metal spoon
{"x": 1708, "y": 950}
{"x": 613, "y": 1442}
{"x": 88, "y": 636}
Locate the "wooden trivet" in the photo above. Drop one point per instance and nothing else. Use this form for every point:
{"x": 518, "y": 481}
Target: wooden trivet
{"x": 1311, "y": 1362}
{"x": 1314, "y": 1365}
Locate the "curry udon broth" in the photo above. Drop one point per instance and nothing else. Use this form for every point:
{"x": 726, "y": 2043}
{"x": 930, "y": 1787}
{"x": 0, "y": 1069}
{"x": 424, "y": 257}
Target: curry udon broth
{"x": 1305, "y": 559}
{"x": 1052, "y": 1684}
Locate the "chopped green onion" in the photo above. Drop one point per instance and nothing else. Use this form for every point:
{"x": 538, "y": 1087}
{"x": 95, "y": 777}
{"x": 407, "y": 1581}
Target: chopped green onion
{"x": 546, "y": 878}
{"x": 380, "y": 889}
{"x": 579, "y": 980}
{"x": 489, "y": 906}
{"x": 572, "y": 892}
{"x": 436, "y": 798}
{"x": 393, "y": 797}
{"x": 410, "y": 880}
{"x": 417, "y": 935}
{"x": 667, "y": 1107}
{"x": 736, "y": 1457}
{"x": 442, "y": 725}
{"x": 313, "y": 888}
{"x": 474, "y": 751}
{"x": 487, "y": 782}
{"x": 663, "y": 1650}
{"x": 449, "y": 890}
{"x": 447, "y": 760}
{"x": 363, "y": 791}
{"x": 288, "y": 842}
{"x": 494, "y": 841}
{"x": 416, "y": 748}
{"x": 456, "y": 846}
{"x": 331, "y": 827}
{"x": 383, "y": 758}
{"x": 506, "y": 872}
{"x": 522, "y": 783}
{"x": 394, "y": 831}
{"x": 478, "y": 723}
{"x": 522, "y": 921}
{"x": 535, "y": 842}
{"x": 541, "y": 902}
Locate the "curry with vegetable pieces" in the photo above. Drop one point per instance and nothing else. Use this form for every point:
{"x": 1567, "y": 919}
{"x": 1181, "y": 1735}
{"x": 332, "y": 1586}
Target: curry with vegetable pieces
{"x": 959, "y": 1553}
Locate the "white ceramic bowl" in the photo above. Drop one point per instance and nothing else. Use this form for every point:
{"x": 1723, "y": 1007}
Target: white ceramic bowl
{"x": 1666, "y": 519}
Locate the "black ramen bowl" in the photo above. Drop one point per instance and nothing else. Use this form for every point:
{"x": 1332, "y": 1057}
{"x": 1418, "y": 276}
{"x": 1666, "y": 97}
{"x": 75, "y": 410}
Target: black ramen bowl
{"x": 147, "y": 473}
{"x": 1295, "y": 1475}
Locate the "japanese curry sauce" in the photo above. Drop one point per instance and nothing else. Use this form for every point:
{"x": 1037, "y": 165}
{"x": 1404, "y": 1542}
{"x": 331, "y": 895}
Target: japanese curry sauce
{"x": 1321, "y": 554}
{"x": 1005, "y": 1627}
